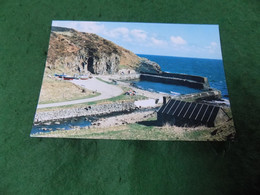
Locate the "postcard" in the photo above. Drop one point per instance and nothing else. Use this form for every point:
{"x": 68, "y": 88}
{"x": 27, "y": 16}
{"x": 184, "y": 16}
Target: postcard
{"x": 134, "y": 81}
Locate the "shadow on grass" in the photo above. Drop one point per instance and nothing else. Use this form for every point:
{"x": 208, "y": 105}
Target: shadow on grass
{"x": 149, "y": 123}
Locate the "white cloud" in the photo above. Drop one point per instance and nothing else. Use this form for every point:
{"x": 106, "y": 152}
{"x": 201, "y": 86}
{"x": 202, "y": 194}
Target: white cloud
{"x": 119, "y": 33}
{"x": 126, "y": 34}
{"x": 158, "y": 42}
{"x": 212, "y": 47}
{"x": 91, "y": 27}
{"x": 139, "y": 34}
{"x": 177, "y": 40}
{"x": 213, "y": 44}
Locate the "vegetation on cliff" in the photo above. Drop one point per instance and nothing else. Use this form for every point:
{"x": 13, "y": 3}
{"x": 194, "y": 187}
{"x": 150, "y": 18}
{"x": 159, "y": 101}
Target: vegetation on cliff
{"x": 76, "y": 52}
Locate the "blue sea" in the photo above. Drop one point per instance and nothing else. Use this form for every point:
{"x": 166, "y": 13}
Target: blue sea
{"x": 210, "y": 68}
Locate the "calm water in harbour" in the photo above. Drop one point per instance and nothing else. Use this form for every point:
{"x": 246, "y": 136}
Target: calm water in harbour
{"x": 210, "y": 68}
{"x": 65, "y": 125}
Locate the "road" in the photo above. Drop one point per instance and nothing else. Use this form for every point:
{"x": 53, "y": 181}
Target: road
{"x": 106, "y": 91}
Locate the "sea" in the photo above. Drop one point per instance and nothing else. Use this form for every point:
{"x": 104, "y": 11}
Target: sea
{"x": 211, "y": 68}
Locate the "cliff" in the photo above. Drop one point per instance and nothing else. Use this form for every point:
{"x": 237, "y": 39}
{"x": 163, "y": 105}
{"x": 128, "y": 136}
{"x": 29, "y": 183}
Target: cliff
{"x": 76, "y": 52}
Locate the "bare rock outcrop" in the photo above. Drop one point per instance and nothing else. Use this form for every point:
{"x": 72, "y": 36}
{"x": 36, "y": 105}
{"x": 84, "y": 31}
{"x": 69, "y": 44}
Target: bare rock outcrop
{"x": 148, "y": 66}
{"x": 76, "y": 52}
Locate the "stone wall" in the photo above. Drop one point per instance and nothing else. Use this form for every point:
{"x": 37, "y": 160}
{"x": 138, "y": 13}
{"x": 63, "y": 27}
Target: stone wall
{"x": 197, "y": 82}
{"x": 127, "y": 77}
{"x": 174, "y": 81}
{"x": 206, "y": 95}
{"x": 96, "y": 110}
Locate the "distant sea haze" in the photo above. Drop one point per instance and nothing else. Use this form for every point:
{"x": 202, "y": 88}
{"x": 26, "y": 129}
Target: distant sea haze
{"x": 210, "y": 68}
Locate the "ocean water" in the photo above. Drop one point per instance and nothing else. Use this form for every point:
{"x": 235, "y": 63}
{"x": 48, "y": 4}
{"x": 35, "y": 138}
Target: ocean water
{"x": 210, "y": 68}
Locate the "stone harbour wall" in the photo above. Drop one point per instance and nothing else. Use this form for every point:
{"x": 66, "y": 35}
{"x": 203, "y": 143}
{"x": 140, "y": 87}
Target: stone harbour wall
{"x": 95, "y": 110}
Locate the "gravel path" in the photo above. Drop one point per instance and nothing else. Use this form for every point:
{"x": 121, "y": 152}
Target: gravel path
{"x": 107, "y": 91}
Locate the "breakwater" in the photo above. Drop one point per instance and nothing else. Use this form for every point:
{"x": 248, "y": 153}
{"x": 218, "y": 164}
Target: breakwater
{"x": 191, "y": 81}
{"x": 206, "y": 95}
{"x": 127, "y": 77}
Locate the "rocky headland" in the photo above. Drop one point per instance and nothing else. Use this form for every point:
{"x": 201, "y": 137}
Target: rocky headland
{"x": 75, "y": 52}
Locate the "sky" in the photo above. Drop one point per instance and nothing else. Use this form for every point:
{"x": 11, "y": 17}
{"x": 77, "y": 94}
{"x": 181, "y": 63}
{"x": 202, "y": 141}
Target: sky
{"x": 180, "y": 40}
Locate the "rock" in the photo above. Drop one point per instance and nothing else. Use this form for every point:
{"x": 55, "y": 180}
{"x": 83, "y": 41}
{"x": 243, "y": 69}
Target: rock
{"x": 47, "y": 123}
{"x": 83, "y": 53}
{"x": 230, "y": 137}
{"x": 148, "y": 66}
{"x": 46, "y": 116}
{"x": 79, "y": 52}
{"x": 214, "y": 132}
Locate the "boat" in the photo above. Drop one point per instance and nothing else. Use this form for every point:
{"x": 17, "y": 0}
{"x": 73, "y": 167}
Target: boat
{"x": 83, "y": 77}
{"x": 69, "y": 78}
{"x": 65, "y": 77}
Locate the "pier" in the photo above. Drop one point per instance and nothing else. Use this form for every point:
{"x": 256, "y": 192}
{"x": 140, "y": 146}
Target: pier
{"x": 191, "y": 81}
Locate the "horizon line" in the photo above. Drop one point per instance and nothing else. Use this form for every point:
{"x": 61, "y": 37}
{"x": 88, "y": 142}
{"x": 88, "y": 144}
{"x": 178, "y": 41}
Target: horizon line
{"x": 180, "y": 56}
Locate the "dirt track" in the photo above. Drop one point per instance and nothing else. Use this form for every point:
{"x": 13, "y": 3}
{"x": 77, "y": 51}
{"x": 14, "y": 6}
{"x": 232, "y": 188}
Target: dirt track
{"x": 107, "y": 91}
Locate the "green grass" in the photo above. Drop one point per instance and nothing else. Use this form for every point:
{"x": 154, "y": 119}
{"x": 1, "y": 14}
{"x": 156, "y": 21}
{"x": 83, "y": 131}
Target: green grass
{"x": 106, "y": 135}
{"x": 76, "y": 98}
{"x": 111, "y": 83}
{"x": 137, "y": 131}
{"x": 122, "y": 66}
{"x": 196, "y": 135}
{"x": 127, "y": 98}
{"x": 110, "y": 100}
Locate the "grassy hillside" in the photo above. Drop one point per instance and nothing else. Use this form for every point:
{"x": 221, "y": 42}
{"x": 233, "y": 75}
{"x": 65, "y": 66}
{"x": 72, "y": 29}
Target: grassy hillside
{"x": 70, "y": 49}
